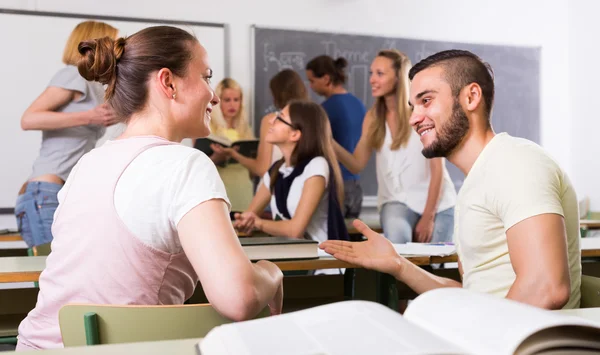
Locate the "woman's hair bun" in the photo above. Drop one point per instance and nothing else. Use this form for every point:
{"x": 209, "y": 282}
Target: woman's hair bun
{"x": 99, "y": 58}
{"x": 340, "y": 63}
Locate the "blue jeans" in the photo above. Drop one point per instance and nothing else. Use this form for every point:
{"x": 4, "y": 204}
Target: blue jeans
{"x": 398, "y": 223}
{"x": 35, "y": 212}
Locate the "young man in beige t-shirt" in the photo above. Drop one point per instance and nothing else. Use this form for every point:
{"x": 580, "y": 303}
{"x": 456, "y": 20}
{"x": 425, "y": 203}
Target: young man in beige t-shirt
{"x": 516, "y": 218}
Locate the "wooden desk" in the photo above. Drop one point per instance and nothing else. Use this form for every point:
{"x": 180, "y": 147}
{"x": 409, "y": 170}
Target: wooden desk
{"x": 21, "y": 268}
{"x": 444, "y": 259}
{"x": 29, "y": 268}
{"x": 13, "y": 237}
{"x": 17, "y": 244}
{"x": 589, "y": 223}
{"x": 590, "y": 248}
{"x": 592, "y": 253}
{"x": 332, "y": 263}
{"x": 172, "y": 347}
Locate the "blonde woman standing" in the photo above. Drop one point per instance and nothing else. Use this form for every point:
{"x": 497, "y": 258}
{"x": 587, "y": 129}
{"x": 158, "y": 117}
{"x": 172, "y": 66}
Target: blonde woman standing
{"x": 230, "y": 120}
{"x": 72, "y": 116}
{"x": 415, "y": 195}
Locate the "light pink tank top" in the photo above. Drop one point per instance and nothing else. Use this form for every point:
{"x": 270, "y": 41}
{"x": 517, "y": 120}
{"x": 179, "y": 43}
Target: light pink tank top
{"x": 95, "y": 258}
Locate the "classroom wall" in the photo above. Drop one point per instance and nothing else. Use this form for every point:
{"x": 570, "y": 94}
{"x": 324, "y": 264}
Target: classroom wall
{"x": 584, "y": 54}
{"x": 512, "y": 22}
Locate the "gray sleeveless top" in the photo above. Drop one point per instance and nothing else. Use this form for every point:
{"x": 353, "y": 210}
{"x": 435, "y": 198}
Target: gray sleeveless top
{"x": 62, "y": 148}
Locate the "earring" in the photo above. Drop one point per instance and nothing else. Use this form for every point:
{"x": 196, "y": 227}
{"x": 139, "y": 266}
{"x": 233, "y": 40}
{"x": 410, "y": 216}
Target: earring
{"x": 174, "y": 94}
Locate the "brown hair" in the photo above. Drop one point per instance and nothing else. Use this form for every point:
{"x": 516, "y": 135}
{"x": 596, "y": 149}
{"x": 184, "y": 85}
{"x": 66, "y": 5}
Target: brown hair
{"x": 316, "y": 141}
{"x": 126, "y": 64}
{"x": 325, "y": 65}
{"x": 462, "y": 68}
{"x": 86, "y": 30}
{"x": 401, "y": 65}
{"x": 285, "y": 86}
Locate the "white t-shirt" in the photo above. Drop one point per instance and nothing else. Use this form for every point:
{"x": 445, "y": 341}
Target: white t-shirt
{"x": 404, "y": 174}
{"x": 317, "y": 227}
{"x": 512, "y": 179}
{"x": 159, "y": 187}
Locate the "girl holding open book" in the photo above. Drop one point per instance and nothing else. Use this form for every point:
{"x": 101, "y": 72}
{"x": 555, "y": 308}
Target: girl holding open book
{"x": 305, "y": 187}
{"x": 230, "y": 120}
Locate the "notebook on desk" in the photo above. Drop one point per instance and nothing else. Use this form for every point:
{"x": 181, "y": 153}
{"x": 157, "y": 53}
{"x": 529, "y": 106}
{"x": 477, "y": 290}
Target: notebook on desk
{"x": 279, "y": 248}
{"x": 442, "y": 321}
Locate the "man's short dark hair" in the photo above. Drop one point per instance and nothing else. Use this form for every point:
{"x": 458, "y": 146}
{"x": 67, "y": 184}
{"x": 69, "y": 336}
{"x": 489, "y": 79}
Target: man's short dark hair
{"x": 461, "y": 68}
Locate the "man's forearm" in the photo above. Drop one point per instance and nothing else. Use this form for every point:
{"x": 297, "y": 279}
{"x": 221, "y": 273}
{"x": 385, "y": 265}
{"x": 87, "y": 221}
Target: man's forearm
{"x": 420, "y": 280}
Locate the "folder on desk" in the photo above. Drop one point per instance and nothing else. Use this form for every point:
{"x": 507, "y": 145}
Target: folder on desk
{"x": 279, "y": 248}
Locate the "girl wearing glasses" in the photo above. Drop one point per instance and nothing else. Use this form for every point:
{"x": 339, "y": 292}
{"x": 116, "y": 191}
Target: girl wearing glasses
{"x": 305, "y": 187}
{"x": 285, "y": 86}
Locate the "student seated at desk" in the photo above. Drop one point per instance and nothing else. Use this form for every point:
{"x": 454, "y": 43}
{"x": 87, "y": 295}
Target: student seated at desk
{"x": 287, "y": 85}
{"x": 305, "y": 186}
{"x": 230, "y": 120}
{"x": 142, "y": 218}
{"x": 516, "y": 225}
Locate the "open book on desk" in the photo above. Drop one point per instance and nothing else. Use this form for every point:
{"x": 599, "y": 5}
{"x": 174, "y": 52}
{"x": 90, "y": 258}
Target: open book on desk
{"x": 247, "y": 147}
{"x": 442, "y": 321}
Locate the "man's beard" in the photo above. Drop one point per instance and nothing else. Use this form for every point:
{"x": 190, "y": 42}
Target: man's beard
{"x": 449, "y": 135}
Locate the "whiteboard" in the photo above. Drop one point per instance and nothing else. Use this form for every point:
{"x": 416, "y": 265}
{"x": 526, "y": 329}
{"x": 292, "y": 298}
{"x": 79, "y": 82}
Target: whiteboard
{"x": 32, "y": 47}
